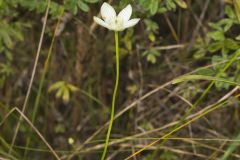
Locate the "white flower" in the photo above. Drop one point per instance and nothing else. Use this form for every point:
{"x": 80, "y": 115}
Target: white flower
{"x": 115, "y": 22}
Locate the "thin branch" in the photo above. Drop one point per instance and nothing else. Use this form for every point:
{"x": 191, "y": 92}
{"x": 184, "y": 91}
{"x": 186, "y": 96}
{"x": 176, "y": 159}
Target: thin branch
{"x": 32, "y": 126}
{"x": 32, "y": 77}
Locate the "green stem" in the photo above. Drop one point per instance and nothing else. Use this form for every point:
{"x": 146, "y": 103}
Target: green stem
{"x": 43, "y": 76}
{"x": 113, "y": 99}
{"x": 36, "y": 104}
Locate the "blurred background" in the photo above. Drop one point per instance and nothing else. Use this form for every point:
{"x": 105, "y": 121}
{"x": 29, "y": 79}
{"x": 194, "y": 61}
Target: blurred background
{"x": 71, "y": 93}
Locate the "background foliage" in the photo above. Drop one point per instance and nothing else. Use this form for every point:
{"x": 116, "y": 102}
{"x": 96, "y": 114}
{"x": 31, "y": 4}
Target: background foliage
{"x": 174, "y": 37}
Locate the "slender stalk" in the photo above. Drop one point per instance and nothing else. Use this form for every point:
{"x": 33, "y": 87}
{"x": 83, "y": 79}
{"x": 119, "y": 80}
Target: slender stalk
{"x": 45, "y": 69}
{"x": 32, "y": 78}
{"x": 15, "y": 109}
{"x": 114, "y": 97}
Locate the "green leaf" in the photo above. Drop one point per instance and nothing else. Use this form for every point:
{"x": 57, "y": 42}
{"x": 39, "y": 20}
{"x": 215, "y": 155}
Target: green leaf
{"x": 223, "y": 85}
{"x": 237, "y": 8}
{"x": 91, "y": 1}
{"x": 231, "y": 44}
{"x": 199, "y": 54}
{"x": 59, "y": 128}
{"x": 215, "y": 26}
{"x": 229, "y": 12}
{"x": 132, "y": 89}
{"x": 1, "y": 3}
{"x": 9, "y": 55}
{"x": 154, "y": 6}
{"x": 83, "y": 6}
{"x": 72, "y": 6}
{"x": 128, "y": 40}
{"x": 224, "y": 50}
{"x": 216, "y": 60}
{"x": 145, "y": 4}
{"x": 5, "y": 37}
{"x": 162, "y": 10}
{"x": 216, "y": 35}
{"x": 206, "y": 72}
{"x": 56, "y": 86}
{"x": 66, "y": 94}
{"x": 151, "y": 55}
{"x": 72, "y": 88}
{"x": 202, "y": 77}
{"x": 238, "y": 38}
{"x": 181, "y": 3}
{"x": 215, "y": 46}
{"x": 152, "y": 37}
{"x": 151, "y": 58}
{"x": 226, "y": 23}
{"x": 63, "y": 90}
{"x": 6, "y": 69}
{"x": 59, "y": 93}
{"x": 74, "y": 10}
{"x": 170, "y": 4}
{"x": 151, "y": 25}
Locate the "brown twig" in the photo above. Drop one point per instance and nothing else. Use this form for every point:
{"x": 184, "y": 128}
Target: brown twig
{"x": 32, "y": 76}
{"x": 32, "y": 126}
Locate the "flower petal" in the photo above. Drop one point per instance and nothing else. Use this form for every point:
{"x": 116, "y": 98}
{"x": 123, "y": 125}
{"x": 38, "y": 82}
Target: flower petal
{"x": 107, "y": 12}
{"x": 100, "y": 22}
{"x": 131, "y": 23}
{"x": 126, "y": 13}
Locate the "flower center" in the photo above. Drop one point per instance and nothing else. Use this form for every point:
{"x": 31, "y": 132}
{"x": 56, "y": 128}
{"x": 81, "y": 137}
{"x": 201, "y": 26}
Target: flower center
{"x": 119, "y": 23}
{"x": 116, "y": 24}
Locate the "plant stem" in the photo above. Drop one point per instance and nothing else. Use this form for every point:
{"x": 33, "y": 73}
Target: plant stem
{"x": 32, "y": 78}
{"x": 45, "y": 69}
{"x": 114, "y": 97}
